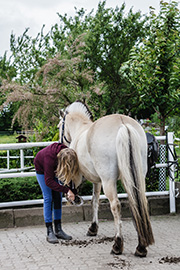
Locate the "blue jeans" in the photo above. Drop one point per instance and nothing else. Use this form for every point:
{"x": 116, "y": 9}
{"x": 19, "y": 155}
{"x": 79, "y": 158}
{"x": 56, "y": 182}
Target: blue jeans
{"x": 52, "y": 200}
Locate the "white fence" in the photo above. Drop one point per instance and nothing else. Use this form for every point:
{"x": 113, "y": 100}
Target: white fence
{"x": 21, "y": 146}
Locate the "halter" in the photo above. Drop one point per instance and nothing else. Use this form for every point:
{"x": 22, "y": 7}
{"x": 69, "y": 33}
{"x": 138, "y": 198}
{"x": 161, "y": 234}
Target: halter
{"x": 62, "y": 132}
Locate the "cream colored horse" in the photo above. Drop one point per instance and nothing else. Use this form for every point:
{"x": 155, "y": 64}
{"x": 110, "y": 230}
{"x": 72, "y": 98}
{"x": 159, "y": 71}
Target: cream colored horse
{"x": 111, "y": 148}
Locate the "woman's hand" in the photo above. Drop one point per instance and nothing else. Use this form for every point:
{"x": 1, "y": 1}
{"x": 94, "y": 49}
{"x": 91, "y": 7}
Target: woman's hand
{"x": 71, "y": 195}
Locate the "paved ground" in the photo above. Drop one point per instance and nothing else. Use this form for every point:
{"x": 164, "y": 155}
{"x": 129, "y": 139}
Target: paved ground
{"x": 26, "y": 248}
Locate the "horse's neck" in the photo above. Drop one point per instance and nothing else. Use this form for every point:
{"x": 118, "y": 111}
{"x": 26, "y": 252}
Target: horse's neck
{"x": 78, "y": 126}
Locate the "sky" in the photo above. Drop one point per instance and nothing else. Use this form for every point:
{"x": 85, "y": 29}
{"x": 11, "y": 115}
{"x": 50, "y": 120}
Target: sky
{"x": 17, "y": 15}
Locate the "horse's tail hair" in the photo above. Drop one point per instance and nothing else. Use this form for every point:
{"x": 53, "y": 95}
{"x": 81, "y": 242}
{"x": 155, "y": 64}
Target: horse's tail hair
{"x": 133, "y": 179}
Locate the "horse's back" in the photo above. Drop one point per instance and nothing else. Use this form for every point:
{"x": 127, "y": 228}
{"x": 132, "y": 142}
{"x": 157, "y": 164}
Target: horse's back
{"x": 101, "y": 142}
{"x": 104, "y": 130}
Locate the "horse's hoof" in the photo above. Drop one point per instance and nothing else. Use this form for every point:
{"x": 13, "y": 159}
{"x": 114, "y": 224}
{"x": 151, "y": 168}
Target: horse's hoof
{"x": 117, "y": 248}
{"x": 93, "y": 229}
{"x": 89, "y": 233}
{"x": 140, "y": 251}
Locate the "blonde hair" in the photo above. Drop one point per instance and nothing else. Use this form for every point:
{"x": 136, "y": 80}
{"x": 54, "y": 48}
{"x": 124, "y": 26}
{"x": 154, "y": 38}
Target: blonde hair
{"x": 68, "y": 166}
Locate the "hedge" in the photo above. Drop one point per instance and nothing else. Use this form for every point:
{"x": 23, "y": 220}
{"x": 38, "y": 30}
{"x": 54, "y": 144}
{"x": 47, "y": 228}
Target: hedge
{"x": 17, "y": 189}
{"x": 27, "y": 188}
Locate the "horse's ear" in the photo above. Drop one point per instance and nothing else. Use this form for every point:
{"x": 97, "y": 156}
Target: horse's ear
{"x": 61, "y": 113}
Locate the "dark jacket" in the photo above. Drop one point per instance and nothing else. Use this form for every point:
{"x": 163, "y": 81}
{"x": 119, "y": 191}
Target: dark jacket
{"x": 46, "y": 163}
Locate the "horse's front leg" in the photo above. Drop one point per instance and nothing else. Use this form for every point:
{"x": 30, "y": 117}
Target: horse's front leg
{"x": 93, "y": 229}
{"x": 110, "y": 191}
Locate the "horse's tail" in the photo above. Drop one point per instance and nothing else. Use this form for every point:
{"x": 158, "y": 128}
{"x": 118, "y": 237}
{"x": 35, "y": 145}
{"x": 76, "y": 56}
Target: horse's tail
{"x": 133, "y": 179}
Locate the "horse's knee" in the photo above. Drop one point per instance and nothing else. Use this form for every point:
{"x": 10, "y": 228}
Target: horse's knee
{"x": 118, "y": 246}
{"x": 93, "y": 229}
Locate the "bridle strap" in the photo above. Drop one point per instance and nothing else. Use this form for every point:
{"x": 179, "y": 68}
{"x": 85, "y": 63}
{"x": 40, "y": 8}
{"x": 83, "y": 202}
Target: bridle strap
{"x": 66, "y": 139}
{"x": 62, "y": 132}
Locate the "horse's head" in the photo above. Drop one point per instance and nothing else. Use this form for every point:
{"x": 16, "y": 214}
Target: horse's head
{"x": 73, "y": 113}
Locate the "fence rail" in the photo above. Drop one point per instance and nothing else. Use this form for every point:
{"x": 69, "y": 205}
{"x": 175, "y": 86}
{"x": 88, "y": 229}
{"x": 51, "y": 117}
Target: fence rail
{"x": 21, "y": 146}
{"x": 85, "y": 198}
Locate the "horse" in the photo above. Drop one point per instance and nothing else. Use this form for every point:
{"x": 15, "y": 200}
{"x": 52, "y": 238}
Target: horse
{"x": 112, "y": 148}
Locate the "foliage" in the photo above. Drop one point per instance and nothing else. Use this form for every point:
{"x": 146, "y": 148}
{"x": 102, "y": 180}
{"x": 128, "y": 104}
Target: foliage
{"x": 27, "y": 188}
{"x": 44, "y": 133}
{"x": 68, "y": 73}
{"x": 7, "y": 71}
{"x": 18, "y": 189}
{"x": 86, "y": 188}
{"x": 152, "y": 180}
{"x": 29, "y": 54}
{"x": 6, "y": 118}
{"x": 79, "y": 58}
{"x": 173, "y": 124}
{"x": 109, "y": 37}
{"x": 82, "y": 57}
{"x": 14, "y": 163}
{"x": 7, "y": 139}
{"x": 154, "y": 67}
{"x": 57, "y": 84}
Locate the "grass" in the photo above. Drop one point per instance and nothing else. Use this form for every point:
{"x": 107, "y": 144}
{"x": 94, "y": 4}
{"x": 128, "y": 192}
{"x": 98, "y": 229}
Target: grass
{"x": 8, "y": 139}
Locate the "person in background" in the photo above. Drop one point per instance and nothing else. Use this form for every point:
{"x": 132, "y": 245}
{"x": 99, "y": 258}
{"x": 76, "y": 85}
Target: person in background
{"x": 56, "y": 167}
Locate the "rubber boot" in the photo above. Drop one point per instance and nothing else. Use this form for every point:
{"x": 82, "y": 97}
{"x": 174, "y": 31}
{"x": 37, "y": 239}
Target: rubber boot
{"x": 51, "y": 238}
{"x": 59, "y": 233}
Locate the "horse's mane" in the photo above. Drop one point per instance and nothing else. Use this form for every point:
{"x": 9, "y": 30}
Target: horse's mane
{"x": 80, "y": 107}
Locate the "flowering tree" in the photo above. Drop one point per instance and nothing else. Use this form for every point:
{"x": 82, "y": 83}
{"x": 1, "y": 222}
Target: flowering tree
{"x": 59, "y": 82}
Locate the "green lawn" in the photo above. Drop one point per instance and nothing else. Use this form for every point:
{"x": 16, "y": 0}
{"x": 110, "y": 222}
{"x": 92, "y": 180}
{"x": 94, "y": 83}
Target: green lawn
{"x": 8, "y": 138}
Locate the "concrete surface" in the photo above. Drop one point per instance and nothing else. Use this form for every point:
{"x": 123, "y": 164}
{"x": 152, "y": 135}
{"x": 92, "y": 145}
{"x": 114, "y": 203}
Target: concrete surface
{"x": 26, "y": 248}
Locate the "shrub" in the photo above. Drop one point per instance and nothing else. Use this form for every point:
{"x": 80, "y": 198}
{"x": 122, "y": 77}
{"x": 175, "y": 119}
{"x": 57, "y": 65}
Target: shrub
{"x": 152, "y": 181}
{"x": 86, "y": 188}
{"x": 27, "y": 188}
{"x": 19, "y": 189}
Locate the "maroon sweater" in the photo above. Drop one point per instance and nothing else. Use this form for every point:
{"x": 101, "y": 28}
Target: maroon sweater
{"x": 46, "y": 163}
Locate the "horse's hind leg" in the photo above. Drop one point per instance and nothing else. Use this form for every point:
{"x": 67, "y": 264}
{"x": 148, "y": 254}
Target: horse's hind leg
{"x": 93, "y": 229}
{"x": 110, "y": 191}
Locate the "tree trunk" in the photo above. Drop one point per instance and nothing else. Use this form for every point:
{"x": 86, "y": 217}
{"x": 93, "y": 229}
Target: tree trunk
{"x": 162, "y": 126}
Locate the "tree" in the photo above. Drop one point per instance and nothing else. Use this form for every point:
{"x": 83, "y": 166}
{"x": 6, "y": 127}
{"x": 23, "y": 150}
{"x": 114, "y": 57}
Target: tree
{"x": 8, "y": 72}
{"x": 59, "y": 82}
{"x": 29, "y": 54}
{"x": 110, "y": 35}
{"x": 154, "y": 66}
{"x": 80, "y": 57}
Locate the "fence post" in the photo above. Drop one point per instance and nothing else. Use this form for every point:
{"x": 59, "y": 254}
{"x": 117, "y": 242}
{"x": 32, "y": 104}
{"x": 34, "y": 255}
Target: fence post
{"x": 162, "y": 171}
{"x": 8, "y": 157}
{"x": 22, "y": 159}
{"x": 170, "y": 141}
